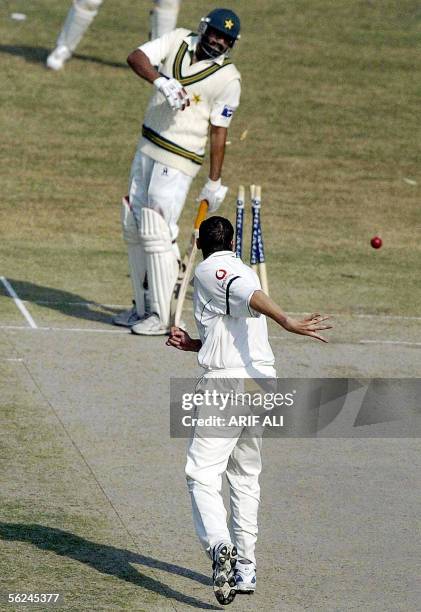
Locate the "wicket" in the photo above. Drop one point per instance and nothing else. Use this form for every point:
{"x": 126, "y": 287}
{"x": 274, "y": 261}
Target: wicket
{"x": 257, "y": 253}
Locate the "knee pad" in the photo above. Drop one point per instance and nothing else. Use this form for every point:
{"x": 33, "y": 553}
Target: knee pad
{"x": 163, "y": 17}
{"x": 154, "y": 232}
{"x": 78, "y": 20}
{"x": 88, "y": 5}
{"x": 170, "y": 5}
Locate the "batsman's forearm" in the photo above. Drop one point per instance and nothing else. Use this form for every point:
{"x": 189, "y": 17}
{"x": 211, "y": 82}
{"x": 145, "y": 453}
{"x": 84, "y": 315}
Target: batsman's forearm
{"x": 265, "y": 305}
{"x": 218, "y": 136}
{"x": 141, "y": 65}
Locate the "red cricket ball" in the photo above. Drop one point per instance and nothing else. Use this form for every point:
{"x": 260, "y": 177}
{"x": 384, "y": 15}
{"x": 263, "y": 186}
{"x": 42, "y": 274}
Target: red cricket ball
{"x": 376, "y": 242}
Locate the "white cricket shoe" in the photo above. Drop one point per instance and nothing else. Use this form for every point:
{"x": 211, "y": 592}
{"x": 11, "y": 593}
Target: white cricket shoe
{"x": 58, "y": 57}
{"x": 150, "y": 325}
{"x": 127, "y": 318}
{"x": 245, "y": 576}
{"x": 224, "y": 559}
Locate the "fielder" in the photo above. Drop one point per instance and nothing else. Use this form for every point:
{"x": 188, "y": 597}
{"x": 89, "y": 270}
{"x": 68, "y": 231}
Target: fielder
{"x": 163, "y": 18}
{"x": 228, "y": 304}
{"x": 196, "y": 91}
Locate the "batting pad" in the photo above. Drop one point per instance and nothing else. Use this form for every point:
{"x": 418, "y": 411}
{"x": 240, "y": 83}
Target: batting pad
{"x": 161, "y": 261}
{"x": 163, "y": 17}
{"x": 137, "y": 261}
{"x": 78, "y": 20}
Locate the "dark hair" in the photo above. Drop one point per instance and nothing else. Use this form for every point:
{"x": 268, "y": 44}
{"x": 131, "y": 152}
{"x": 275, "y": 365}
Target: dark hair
{"x": 215, "y": 234}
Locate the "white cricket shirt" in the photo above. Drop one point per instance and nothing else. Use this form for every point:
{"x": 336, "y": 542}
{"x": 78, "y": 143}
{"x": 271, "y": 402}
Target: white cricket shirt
{"x": 233, "y": 335}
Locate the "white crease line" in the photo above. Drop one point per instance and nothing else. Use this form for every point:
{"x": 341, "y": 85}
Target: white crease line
{"x": 61, "y": 303}
{"x": 68, "y": 329}
{"x": 392, "y": 342}
{"x": 190, "y": 309}
{"x": 18, "y": 302}
{"x": 126, "y": 331}
{"x": 12, "y": 359}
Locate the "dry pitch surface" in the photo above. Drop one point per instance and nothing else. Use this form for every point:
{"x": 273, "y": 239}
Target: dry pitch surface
{"x": 94, "y": 504}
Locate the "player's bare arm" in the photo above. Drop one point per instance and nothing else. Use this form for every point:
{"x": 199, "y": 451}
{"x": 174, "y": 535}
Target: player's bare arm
{"x": 141, "y": 65}
{"x": 310, "y": 326}
{"x": 181, "y": 340}
{"x": 213, "y": 191}
{"x": 218, "y": 137}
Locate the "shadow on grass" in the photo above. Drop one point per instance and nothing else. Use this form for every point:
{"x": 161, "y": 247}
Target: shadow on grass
{"x": 38, "y": 55}
{"x": 105, "y": 559}
{"x": 70, "y": 304}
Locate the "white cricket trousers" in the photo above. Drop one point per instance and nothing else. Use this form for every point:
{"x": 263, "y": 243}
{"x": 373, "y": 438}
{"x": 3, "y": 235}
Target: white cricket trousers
{"x": 159, "y": 187}
{"x": 239, "y": 456}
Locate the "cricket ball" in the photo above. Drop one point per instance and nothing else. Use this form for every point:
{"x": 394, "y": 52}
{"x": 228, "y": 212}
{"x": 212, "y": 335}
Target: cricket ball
{"x": 376, "y": 242}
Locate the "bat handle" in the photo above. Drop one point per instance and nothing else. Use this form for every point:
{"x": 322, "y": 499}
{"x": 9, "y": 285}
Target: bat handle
{"x": 201, "y": 213}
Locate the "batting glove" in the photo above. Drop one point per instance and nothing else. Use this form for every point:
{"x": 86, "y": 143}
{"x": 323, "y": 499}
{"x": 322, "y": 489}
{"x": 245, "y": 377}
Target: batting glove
{"x": 214, "y": 192}
{"x": 175, "y": 94}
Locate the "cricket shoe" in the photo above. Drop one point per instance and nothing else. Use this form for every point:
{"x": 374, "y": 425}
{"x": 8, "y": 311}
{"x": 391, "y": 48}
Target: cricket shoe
{"x": 127, "y": 318}
{"x": 245, "y": 577}
{"x": 150, "y": 325}
{"x": 58, "y": 57}
{"x": 224, "y": 559}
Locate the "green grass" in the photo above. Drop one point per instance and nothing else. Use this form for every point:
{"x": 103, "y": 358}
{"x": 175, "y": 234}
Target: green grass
{"x": 330, "y": 100}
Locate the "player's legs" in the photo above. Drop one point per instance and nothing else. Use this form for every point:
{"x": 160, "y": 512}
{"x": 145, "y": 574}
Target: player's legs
{"x": 162, "y": 269}
{"x": 167, "y": 190}
{"x": 163, "y": 17}
{"x": 136, "y": 255}
{"x": 207, "y": 460}
{"x": 140, "y": 176}
{"x": 78, "y": 20}
{"x": 243, "y": 470}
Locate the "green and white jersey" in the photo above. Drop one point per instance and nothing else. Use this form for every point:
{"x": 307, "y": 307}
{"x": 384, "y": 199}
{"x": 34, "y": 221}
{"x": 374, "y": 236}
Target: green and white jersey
{"x": 178, "y": 138}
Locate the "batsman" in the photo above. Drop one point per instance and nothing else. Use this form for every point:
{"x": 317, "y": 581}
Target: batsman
{"x": 196, "y": 92}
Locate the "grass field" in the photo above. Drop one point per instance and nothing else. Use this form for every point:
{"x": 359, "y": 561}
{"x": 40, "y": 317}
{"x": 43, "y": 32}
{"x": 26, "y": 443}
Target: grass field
{"x": 330, "y": 102}
{"x": 331, "y": 98}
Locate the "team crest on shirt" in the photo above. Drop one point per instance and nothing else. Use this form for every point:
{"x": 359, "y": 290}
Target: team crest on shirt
{"x": 220, "y": 274}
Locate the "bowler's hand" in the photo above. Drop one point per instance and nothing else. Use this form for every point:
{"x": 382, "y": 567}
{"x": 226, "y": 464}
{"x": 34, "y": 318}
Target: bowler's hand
{"x": 308, "y": 326}
{"x": 181, "y": 340}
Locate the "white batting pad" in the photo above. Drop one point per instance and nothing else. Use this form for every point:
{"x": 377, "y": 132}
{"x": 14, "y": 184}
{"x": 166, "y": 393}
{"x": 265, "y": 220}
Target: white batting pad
{"x": 163, "y": 17}
{"x": 161, "y": 262}
{"x": 137, "y": 260}
{"x": 78, "y": 20}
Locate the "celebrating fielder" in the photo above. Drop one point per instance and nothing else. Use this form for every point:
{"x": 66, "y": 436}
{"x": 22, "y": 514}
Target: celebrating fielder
{"x": 228, "y": 304}
{"x": 196, "y": 85}
{"x": 82, "y": 13}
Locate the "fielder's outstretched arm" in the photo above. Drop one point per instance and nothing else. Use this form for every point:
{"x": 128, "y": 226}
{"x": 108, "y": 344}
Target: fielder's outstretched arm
{"x": 305, "y": 327}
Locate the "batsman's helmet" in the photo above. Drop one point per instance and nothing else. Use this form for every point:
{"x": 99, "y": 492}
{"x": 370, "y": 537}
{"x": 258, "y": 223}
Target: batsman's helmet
{"x": 223, "y": 21}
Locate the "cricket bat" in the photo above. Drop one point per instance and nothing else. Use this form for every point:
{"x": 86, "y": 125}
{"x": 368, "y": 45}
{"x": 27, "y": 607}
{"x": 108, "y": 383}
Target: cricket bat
{"x": 186, "y": 268}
